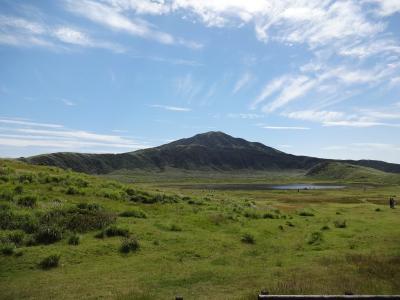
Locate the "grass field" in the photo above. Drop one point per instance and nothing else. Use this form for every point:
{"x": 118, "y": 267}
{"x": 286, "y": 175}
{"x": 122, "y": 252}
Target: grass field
{"x": 153, "y": 239}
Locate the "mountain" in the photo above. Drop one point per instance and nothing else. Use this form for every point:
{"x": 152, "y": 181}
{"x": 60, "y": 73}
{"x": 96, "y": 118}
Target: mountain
{"x": 207, "y": 151}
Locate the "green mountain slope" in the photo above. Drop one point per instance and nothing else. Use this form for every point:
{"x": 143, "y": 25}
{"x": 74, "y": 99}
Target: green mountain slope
{"x": 214, "y": 151}
{"x": 349, "y": 172}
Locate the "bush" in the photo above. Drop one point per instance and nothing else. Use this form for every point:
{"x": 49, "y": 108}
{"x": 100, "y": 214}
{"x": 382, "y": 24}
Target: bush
{"x": 290, "y": 224}
{"x": 325, "y": 227}
{"x": 19, "y": 189}
{"x": 27, "y": 223}
{"x": 50, "y": 262}
{"x": 129, "y": 245}
{"x": 6, "y": 195}
{"x": 27, "y": 178}
{"x": 133, "y": 213}
{"x": 248, "y": 238}
{"x": 116, "y": 231}
{"x": 100, "y": 235}
{"x": 340, "y": 224}
{"x": 315, "y": 238}
{"x": 89, "y": 206}
{"x": 306, "y": 214}
{"x": 251, "y": 214}
{"x": 16, "y": 237}
{"x": 91, "y": 217}
{"x": 112, "y": 194}
{"x": 72, "y": 190}
{"x": 48, "y": 235}
{"x": 28, "y": 201}
{"x": 7, "y": 249}
{"x": 175, "y": 227}
{"x": 74, "y": 240}
{"x": 270, "y": 216}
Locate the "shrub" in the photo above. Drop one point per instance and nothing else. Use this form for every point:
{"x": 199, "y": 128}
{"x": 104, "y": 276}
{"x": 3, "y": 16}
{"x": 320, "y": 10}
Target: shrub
{"x": 19, "y": 189}
{"x": 248, "y": 238}
{"x": 51, "y": 261}
{"x": 129, "y": 245}
{"x": 89, "y": 206}
{"x": 175, "y": 227}
{"x": 27, "y": 223}
{"x": 6, "y": 219}
{"x": 325, "y": 227}
{"x": 116, "y": 231}
{"x": 27, "y": 178}
{"x": 78, "y": 219}
{"x": 6, "y": 195}
{"x": 7, "y": 249}
{"x": 16, "y": 237}
{"x": 133, "y": 213}
{"x": 74, "y": 240}
{"x": 28, "y": 201}
{"x": 340, "y": 223}
{"x": 251, "y": 214}
{"x": 290, "y": 224}
{"x": 306, "y": 214}
{"x": 112, "y": 194}
{"x": 72, "y": 190}
{"x": 315, "y": 238}
{"x": 270, "y": 216}
{"x": 100, "y": 235}
{"x": 48, "y": 235}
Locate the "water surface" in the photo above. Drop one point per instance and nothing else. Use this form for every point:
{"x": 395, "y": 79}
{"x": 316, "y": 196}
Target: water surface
{"x": 261, "y": 186}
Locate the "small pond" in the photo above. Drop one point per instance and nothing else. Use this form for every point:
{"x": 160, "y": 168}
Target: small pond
{"x": 261, "y": 186}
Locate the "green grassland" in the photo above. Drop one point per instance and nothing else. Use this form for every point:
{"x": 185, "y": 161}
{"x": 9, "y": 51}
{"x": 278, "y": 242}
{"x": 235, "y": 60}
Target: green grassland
{"x": 151, "y": 237}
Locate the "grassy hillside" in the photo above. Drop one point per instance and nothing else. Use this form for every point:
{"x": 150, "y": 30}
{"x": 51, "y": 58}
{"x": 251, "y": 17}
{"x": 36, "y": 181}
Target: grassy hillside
{"x": 67, "y": 235}
{"x": 351, "y": 173}
{"x": 206, "y": 152}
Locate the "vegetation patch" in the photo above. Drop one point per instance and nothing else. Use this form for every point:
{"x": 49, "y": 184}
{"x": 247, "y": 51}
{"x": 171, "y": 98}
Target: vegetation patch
{"x": 130, "y": 244}
{"x": 50, "y": 262}
{"x": 248, "y": 238}
{"x": 133, "y": 214}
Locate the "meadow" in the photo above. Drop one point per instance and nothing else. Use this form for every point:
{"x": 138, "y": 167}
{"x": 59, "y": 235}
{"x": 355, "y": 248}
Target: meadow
{"x": 68, "y": 235}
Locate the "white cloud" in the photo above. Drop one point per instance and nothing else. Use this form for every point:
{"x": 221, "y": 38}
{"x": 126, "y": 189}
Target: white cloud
{"x": 68, "y": 102}
{"x": 187, "y": 87}
{"x": 315, "y": 116}
{"x": 269, "y": 89}
{"x": 171, "y": 108}
{"x": 242, "y": 82}
{"x": 386, "y": 7}
{"x": 245, "y": 116}
{"x": 25, "y": 33}
{"x": 362, "y": 118}
{"x": 53, "y": 137}
{"x": 295, "y": 88}
{"x": 28, "y": 123}
{"x": 358, "y": 123}
{"x": 112, "y": 17}
{"x": 286, "y": 127}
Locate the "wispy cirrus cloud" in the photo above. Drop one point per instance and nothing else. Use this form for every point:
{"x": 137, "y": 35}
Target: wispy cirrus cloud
{"x": 361, "y": 118}
{"x": 45, "y": 137}
{"x": 285, "y": 127}
{"x": 21, "y": 32}
{"x": 111, "y": 15}
{"x": 171, "y": 108}
{"x": 67, "y": 102}
{"x": 242, "y": 82}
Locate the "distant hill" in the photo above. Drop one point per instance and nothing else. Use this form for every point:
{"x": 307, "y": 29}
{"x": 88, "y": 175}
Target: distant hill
{"x": 345, "y": 171}
{"x": 215, "y": 151}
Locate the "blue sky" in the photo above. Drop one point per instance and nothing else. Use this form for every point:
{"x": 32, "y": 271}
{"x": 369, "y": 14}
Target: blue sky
{"x": 310, "y": 77}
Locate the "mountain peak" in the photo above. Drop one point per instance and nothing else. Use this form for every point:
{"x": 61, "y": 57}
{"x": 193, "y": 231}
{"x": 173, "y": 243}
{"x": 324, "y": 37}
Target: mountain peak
{"x": 211, "y": 139}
